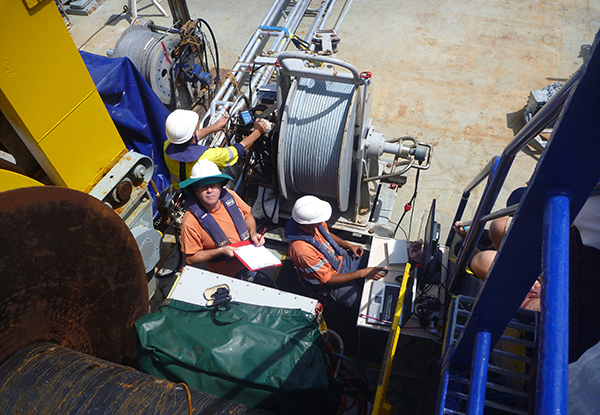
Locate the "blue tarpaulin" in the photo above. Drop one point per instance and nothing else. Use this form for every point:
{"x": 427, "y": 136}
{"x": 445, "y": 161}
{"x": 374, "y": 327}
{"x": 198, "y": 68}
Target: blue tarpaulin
{"x": 137, "y": 112}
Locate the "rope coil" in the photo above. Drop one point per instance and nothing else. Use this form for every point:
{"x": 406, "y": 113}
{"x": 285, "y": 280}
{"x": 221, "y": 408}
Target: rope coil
{"x": 317, "y": 124}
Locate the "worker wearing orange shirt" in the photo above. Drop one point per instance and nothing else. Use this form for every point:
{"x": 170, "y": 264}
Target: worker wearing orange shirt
{"x": 217, "y": 217}
{"x": 334, "y": 268}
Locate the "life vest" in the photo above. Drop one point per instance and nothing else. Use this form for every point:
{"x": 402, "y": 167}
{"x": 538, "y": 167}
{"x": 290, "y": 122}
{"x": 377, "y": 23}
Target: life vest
{"x": 293, "y": 232}
{"x": 181, "y": 158}
{"x": 209, "y": 223}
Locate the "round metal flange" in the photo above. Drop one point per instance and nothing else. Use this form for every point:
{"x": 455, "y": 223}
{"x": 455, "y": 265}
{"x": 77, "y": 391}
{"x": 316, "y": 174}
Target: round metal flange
{"x": 282, "y": 161}
{"x": 71, "y": 273}
{"x": 159, "y": 67}
{"x": 150, "y": 52}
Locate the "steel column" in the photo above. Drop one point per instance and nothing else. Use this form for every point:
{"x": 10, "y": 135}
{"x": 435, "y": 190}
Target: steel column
{"x": 479, "y": 370}
{"x": 553, "y": 369}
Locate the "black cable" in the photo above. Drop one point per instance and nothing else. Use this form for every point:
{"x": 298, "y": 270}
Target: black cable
{"x": 274, "y": 206}
{"x": 254, "y": 68}
{"x": 412, "y": 199}
{"x": 412, "y": 212}
{"x": 211, "y": 92}
{"x": 217, "y": 77}
{"x": 104, "y": 25}
{"x": 403, "y": 231}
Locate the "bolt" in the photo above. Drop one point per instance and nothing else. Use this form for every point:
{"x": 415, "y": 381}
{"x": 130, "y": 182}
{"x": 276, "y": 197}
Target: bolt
{"x": 393, "y": 186}
{"x": 139, "y": 172}
{"x": 371, "y": 231}
{"x": 122, "y": 192}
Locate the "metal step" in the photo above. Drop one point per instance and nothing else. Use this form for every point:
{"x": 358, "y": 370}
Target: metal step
{"x": 457, "y": 387}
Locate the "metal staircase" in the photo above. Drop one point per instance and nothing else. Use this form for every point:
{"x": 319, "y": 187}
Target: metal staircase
{"x": 536, "y": 243}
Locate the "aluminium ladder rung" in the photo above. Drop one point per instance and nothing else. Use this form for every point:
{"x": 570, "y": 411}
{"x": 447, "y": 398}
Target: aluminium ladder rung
{"x": 515, "y": 340}
{"x": 493, "y": 386}
{"x": 489, "y": 404}
{"x": 518, "y": 358}
{"x": 507, "y": 372}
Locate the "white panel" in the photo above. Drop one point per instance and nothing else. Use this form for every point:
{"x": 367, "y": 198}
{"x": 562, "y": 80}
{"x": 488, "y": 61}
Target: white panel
{"x": 192, "y": 283}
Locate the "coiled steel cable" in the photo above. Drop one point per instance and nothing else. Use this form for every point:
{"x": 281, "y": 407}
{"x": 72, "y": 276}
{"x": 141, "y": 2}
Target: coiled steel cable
{"x": 316, "y": 126}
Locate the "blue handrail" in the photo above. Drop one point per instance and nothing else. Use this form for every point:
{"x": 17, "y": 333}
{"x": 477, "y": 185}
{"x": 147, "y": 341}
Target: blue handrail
{"x": 548, "y": 113}
{"x": 483, "y": 174}
{"x": 538, "y": 239}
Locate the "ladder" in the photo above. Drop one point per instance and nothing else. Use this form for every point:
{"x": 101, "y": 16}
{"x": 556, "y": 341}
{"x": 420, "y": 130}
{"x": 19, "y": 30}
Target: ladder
{"x": 277, "y": 28}
{"x": 537, "y": 242}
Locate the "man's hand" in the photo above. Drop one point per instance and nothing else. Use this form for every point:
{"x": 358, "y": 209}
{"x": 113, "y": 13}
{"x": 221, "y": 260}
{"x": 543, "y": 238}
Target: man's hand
{"x": 357, "y": 250}
{"x": 221, "y": 122}
{"x": 260, "y": 126}
{"x": 259, "y": 129}
{"x": 257, "y": 239}
{"x": 375, "y": 273}
{"x": 227, "y": 251}
{"x": 460, "y": 230}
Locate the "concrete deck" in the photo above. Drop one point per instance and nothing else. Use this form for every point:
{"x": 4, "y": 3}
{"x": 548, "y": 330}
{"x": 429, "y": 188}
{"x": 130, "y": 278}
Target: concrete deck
{"x": 455, "y": 73}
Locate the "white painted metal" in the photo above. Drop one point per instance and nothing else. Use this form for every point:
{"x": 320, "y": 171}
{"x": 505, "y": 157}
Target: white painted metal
{"x": 192, "y": 283}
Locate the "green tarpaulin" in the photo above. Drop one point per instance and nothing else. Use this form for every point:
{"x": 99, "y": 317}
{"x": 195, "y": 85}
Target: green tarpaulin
{"x": 262, "y": 357}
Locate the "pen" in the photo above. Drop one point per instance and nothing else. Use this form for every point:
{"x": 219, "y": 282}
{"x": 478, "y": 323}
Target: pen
{"x": 262, "y": 234}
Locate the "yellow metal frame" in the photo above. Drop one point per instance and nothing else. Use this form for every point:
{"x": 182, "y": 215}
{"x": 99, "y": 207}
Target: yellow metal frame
{"x": 48, "y": 96}
{"x": 10, "y": 180}
{"x": 381, "y": 406}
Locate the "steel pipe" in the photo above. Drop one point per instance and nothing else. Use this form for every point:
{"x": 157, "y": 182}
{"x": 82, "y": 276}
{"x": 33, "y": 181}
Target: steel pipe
{"x": 479, "y": 370}
{"x": 343, "y": 16}
{"x": 263, "y": 75}
{"x": 553, "y": 368}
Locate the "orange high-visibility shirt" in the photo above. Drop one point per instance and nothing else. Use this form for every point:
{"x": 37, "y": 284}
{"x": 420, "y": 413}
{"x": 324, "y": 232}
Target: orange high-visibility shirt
{"x": 310, "y": 261}
{"x": 195, "y": 239}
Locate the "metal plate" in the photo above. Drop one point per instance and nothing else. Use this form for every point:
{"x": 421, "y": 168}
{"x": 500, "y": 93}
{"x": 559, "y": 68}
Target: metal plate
{"x": 71, "y": 273}
{"x": 193, "y": 282}
{"x": 281, "y": 161}
{"x": 346, "y": 166}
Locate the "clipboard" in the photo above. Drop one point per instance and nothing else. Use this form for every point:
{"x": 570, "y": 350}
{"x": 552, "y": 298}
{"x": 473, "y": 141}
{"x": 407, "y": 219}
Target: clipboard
{"x": 254, "y": 257}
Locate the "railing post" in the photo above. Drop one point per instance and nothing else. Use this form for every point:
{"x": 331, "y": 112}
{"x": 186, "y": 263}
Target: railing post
{"x": 553, "y": 369}
{"x": 479, "y": 370}
{"x": 549, "y": 112}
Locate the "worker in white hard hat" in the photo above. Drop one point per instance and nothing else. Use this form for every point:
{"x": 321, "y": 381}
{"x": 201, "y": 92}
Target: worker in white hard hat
{"x": 182, "y": 150}
{"x": 334, "y": 268}
{"x": 217, "y": 217}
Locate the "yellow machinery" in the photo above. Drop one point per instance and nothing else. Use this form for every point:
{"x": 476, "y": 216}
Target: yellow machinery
{"x": 49, "y": 98}
{"x": 54, "y": 121}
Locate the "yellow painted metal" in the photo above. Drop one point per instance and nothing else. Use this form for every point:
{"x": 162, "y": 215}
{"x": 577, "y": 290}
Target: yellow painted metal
{"x": 381, "y": 406}
{"x": 30, "y": 4}
{"x": 10, "y": 180}
{"x": 50, "y": 99}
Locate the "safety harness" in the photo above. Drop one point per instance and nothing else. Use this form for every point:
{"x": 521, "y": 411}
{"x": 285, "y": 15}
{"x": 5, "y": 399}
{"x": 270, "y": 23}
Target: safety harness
{"x": 293, "y": 232}
{"x": 184, "y": 153}
{"x": 209, "y": 223}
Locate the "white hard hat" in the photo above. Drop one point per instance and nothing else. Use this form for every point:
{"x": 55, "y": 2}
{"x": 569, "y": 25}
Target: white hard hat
{"x": 205, "y": 172}
{"x": 310, "y": 210}
{"x": 180, "y": 125}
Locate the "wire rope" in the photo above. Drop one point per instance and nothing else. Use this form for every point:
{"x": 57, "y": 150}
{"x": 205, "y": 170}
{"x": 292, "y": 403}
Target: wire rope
{"x": 316, "y": 127}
